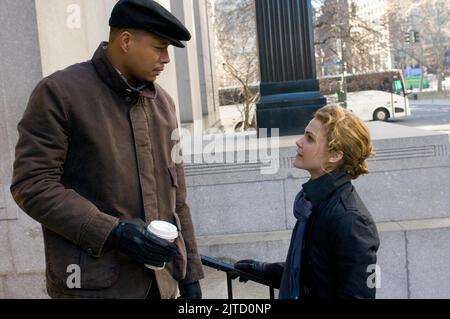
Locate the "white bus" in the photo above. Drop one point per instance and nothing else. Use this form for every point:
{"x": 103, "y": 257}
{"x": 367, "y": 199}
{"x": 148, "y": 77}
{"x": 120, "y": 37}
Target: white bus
{"x": 372, "y": 96}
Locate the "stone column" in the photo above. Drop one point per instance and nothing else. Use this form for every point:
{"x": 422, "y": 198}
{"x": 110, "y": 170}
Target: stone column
{"x": 21, "y": 246}
{"x": 289, "y": 87}
{"x": 186, "y": 61}
{"x": 206, "y": 63}
{"x": 20, "y": 71}
{"x": 168, "y": 80}
{"x": 70, "y": 30}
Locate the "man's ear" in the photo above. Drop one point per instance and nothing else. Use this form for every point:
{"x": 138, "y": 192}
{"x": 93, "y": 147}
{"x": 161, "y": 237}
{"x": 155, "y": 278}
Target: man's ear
{"x": 125, "y": 40}
{"x": 336, "y": 157}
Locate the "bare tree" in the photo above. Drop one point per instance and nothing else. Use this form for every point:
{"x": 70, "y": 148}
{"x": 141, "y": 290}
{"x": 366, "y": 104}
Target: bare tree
{"x": 236, "y": 47}
{"x": 430, "y": 19}
{"x": 342, "y": 36}
{"x": 248, "y": 96}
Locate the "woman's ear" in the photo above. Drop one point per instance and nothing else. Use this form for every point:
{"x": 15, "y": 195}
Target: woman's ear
{"x": 336, "y": 157}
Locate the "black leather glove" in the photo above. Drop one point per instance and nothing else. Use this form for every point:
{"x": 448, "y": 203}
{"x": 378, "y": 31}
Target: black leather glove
{"x": 132, "y": 238}
{"x": 190, "y": 291}
{"x": 269, "y": 271}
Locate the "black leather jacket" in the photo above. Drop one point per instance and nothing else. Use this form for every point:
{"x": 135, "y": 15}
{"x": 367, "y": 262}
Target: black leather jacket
{"x": 341, "y": 241}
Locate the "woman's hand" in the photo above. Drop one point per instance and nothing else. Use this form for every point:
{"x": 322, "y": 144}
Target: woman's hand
{"x": 270, "y": 271}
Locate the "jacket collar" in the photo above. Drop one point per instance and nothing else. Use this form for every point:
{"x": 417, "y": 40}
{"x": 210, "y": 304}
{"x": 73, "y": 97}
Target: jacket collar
{"x": 115, "y": 80}
{"x": 322, "y": 188}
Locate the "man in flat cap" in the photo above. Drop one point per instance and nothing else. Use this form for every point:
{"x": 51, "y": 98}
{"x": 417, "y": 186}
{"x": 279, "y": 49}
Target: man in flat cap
{"x": 93, "y": 166}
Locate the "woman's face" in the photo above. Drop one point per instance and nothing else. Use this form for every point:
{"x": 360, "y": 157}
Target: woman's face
{"x": 312, "y": 153}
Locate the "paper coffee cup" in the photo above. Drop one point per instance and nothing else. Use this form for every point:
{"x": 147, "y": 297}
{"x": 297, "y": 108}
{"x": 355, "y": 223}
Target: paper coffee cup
{"x": 163, "y": 230}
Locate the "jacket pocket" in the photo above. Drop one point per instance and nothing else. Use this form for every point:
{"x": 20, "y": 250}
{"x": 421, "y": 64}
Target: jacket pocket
{"x": 99, "y": 273}
{"x": 173, "y": 175}
{"x": 68, "y": 264}
{"x": 62, "y": 259}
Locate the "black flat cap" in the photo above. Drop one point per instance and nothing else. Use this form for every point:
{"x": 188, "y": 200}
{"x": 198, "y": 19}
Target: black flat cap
{"x": 150, "y": 16}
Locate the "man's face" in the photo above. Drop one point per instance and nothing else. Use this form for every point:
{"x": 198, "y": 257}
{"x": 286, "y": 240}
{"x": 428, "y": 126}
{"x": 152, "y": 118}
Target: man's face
{"x": 147, "y": 56}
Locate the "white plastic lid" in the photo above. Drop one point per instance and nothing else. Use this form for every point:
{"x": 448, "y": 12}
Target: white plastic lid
{"x": 163, "y": 229}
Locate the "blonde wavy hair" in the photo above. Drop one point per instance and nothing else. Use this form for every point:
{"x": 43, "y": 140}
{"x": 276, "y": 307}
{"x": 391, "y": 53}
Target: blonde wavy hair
{"x": 346, "y": 133}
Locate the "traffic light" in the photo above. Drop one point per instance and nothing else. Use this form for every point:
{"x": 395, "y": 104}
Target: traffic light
{"x": 407, "y": 37}
{"x": 416, "y": 37}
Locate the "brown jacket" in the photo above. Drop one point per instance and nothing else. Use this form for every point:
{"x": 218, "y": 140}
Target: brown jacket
{"x": 92, "y": 150}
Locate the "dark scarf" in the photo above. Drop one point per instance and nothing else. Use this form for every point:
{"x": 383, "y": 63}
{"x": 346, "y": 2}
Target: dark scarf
{"x": 290, "y": 281}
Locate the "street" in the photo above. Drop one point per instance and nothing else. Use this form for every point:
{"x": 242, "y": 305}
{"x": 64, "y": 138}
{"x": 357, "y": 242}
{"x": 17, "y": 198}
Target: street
{"x": 428, "y": 116}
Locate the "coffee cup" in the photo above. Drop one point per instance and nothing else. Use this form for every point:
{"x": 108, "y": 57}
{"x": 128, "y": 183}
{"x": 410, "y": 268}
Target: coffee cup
{"x": 165, "y": 231}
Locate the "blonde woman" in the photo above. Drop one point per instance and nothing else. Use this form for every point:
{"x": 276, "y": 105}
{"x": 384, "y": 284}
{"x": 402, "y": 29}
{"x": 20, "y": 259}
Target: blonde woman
{"x": 335, "y": 241}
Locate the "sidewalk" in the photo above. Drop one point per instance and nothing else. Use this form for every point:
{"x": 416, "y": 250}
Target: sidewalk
{"x": 433, "y": 102}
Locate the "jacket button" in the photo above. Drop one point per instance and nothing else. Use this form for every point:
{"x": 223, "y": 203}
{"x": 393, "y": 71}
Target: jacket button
{"x": 128, "y": 99}
{"x": 90, "y": 251}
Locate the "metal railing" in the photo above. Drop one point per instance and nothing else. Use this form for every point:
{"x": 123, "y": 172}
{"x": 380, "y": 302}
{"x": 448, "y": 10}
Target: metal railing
{"x": 233, "y": 273}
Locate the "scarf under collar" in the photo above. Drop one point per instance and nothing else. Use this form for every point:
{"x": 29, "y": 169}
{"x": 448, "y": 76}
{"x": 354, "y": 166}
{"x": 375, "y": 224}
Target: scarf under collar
{"x": 290, "y": 281}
